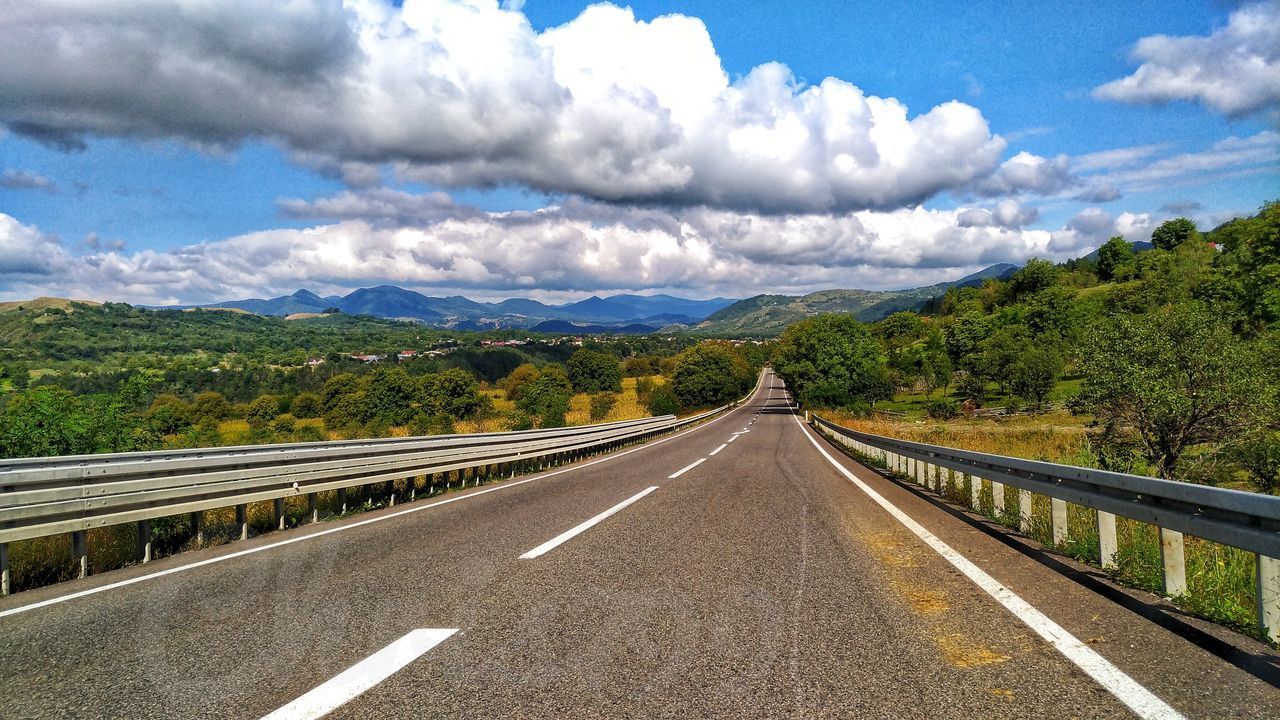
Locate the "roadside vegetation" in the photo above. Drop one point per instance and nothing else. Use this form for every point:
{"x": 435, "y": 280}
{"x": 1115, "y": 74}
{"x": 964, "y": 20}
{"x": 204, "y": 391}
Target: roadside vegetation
{"x": 1163, "y": 362}
{"x": 384, "y": 399}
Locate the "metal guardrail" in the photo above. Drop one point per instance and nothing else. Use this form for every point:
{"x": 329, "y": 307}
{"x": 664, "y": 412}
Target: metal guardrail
{"x": 1244, "y": 520}
{"x": 73, "y": 494}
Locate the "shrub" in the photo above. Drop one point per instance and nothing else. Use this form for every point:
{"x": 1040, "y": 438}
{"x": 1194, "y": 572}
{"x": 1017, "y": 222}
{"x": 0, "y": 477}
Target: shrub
{"x": 306, "y": 405}
{"x": 942, "y": 410}
{"x": 601, "y": 404}
{"x": 590, "y": 371}
{"x": 663, "y": 401}
{"x": 262, "y": 411}
{"x": 285, "y": 424}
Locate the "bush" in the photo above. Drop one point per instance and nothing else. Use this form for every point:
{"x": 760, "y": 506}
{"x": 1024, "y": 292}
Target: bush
{"x": 942, "y": 410}
{"x": 663, "y": 401}
{"x": 519, "y": 421}
{"x": 307, "y": 405}
{"x": 424, "y": 424}
{"x": 262, "y": 411}
{"x": 644, "y": 388}
{"x": 601, "y": 404}
{"x": 710, "y": 374}
{"x": 590, "y": 371}
{"x": 285, "y": 424}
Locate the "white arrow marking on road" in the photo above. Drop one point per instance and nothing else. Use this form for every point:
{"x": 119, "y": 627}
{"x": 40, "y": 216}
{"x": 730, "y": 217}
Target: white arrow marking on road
{"x": 568, "y": 534}
{"x": 353, "y": 681}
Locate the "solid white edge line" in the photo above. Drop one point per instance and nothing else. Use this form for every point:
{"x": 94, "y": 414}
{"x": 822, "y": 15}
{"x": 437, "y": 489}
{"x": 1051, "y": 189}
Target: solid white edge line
{"x": 583, "y": 526}
{"x": 360, "y": 523}
{"x": 350, "y": 683}
{"x": 687, "y": 468}
{"x": 722, "y": 446}
{"x": 1140, "y": 700}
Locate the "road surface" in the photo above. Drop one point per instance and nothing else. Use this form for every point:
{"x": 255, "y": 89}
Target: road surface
{"x": 741, "y": 569}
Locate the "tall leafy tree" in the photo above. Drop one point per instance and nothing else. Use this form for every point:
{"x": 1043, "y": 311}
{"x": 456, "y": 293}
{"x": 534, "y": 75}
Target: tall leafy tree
{"x": 832, "y": 360}
{"x": 591, "y": 371}
{"x": 1173, "y": 233}
{"x": 1168, "y": 380}
{"x": 1114, "y": 255}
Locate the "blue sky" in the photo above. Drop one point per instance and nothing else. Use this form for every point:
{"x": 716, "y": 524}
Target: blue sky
{"x": 266, "y": 176}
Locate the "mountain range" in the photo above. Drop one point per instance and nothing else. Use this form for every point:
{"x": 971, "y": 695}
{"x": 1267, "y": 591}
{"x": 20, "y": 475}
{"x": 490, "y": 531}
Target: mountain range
{"x": 758, "y": 316}
{"x": 626, "y": 313}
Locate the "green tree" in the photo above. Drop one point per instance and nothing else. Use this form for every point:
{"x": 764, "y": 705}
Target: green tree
{"x": 547, "y": 397}
{"x": 1173, "y": 233}
{"x": 663, "y": 401}
{"x": 307, "y": 405}
{"x": 262, "y": 411}
{"x": 1114, "y": 255}
{"x": 517, "y": 379}
{"x": 591, "y": 372}
{"x": 1033, "y": 374}
{"x": 168, "y": 414}
{"x": 831, "y": 360}
{"x": 601, "y": 404}
{"x": 1260, "y": 457}
{"x": 391, "y": 395}
{"x": 453, "y": 392}
{"x": 1033, "y": 277}
{"x": 1168, "y": 380}
{"x": 710, "y": 373}
{"x": 209, "y": 405}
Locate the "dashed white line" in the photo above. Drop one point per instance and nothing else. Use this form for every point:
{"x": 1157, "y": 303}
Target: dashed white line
{"x": 358, "y": 678}
{"x": 722, "y": 446}
{"x": 583, "y": 527}
{"x": 732, "y": 437}
{"x": 1140, "y": 700}
{"x": 343, "y": 528}
{"x": 686, "y": 468}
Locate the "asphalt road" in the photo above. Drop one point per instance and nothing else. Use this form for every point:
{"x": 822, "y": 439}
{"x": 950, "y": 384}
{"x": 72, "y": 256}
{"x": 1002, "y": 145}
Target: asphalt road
{"x": 761, "y": 582}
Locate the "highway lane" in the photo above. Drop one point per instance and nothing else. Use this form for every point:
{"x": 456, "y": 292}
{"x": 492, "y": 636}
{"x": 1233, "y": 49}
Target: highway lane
{"x": 759, "y": 582}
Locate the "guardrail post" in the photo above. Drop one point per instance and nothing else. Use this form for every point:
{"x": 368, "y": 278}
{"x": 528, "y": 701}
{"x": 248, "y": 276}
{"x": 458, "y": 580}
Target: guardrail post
{"x": 144, "y": 541}
{"x": 1058, "y": 510}
{"x": 975, "y": 490}
{"x": 1024, "y": 511}
{"x": 1268, "y": 596}
{"x": 242, "y": 519}
{"x": 4, "y": 569}
{"x": 80, "y": 553}
{"x": 197, "y": 527}
{"x": 277, "y": 506}
{"x": 342, "y": 497}
{"x": 1107, "y": 546}
{"x": 997, "y": 498}
{"x": 1174, "y": 561}
{"x": 313, "y": 509}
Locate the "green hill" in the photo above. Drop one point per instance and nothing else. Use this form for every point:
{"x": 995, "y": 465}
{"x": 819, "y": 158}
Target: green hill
{"x": 768, "y": 315}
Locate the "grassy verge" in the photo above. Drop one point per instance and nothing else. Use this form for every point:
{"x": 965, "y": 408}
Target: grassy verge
{"x": 1220, "y": 579}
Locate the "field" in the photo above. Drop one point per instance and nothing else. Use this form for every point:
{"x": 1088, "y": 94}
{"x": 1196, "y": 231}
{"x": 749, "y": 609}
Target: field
{"x": 1220, "y": 578}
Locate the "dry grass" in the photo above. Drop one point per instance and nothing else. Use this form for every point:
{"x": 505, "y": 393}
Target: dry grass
{"x": 1220, "y": 579}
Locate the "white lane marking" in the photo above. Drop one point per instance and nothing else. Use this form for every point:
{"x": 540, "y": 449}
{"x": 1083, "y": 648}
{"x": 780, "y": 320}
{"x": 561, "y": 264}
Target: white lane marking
{"x": 1140, "y": 700}
{"x": 583, "y": 527}
{"x": 359, "y": 523}
{"x": 722, "y": 446}
{"x": 688, "y": 467}
{"x": 353, "y": 681}
{"x": 732, "y": 437}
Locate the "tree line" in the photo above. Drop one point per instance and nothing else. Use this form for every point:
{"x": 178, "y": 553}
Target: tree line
{"x": 1176, "y": 350}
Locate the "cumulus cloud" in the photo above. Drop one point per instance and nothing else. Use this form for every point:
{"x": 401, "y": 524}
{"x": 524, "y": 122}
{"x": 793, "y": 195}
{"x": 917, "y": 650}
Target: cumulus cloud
{"x": 26, "y": 254}
{"x": 24, "y": 180}
{"x": 466, "y": 93}
{"x": 1235, "y": 70}
{"x": 1028, "y": 173}
{"x": 577, "y": 247}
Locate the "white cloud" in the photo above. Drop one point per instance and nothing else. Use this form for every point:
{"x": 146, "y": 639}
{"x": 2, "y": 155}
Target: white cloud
{"x": 1235, "y": 70}
{"x": 1230, "y": 155}
{"x": 24, "y": 180}
{"x": 578, "y": 247}
{"x": 1027, "y": 173}
{"x": 466, "y": 93}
